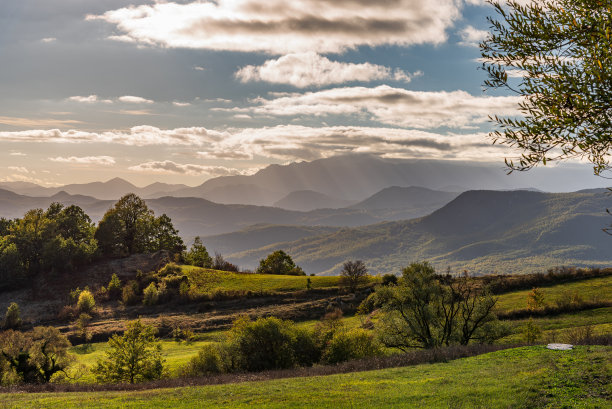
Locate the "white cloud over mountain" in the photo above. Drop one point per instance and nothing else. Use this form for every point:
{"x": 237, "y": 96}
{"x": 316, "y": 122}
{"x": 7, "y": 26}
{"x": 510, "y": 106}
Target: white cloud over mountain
{"x": 282, "y": 27}
{"x": 388, "y": 105}
{"x": 311, "y": 69}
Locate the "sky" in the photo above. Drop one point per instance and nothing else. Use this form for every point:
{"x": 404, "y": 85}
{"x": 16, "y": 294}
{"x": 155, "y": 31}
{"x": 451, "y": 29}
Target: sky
{"x": 182, "y": 91}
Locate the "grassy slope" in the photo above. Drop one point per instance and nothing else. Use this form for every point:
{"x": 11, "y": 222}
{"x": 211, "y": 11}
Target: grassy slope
{"x": 207, "y": 281}
{"x": 523, "y": 377}
{"x": 556, "y": 327}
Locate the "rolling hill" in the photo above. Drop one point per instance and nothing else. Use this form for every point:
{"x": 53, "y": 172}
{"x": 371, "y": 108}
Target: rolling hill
{"x": 305, "y": 200}
{"x": 482, "y": 231}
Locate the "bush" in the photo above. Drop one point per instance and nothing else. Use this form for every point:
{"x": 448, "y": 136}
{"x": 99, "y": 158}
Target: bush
{"x": 535, "y": 299}
{"x": 12, "y": 318}
{"x": 150, "y": 295}
{"x": 354, "y": 344}
{"x": 209, "y": 361}
{"x": 531, "y": 331}
{"x": 133, "y": 357}
{"x": 114, "y": 287}
{"x": 269, "y": 343}
{"x": 279, "y": 262}
{"x": 86, "y": 302}
{"x": 389, "y": 279}
{"x": 130, "y": 293}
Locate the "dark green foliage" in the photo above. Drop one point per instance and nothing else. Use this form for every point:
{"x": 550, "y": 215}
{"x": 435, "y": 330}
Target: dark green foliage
{"x": 12, "y": 318}
{"x": 267, "y": 343}
{"x": 353, "y": 274}
{"x": 114, "y": 287}
{"x": 198, "y": 255}
{"x": 426, "y": 311}
{"x": 354, "y": 344}
{"x": 133, "y": 357}
{"x": 130, "y": 293}
{"x": 59, "y": 239}
{"x": 150, "y": 295}
{"x": 37, "y": 357}
{"x": 212, "y": 359}
{"x": 389, "y": 279}
{"x": 279, "y": 262}
{"x": 130, "y": 227}
{"x": 563, "y": 51}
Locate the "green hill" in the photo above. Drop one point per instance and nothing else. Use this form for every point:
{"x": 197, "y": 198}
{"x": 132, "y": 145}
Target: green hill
{"x": 482, "y": 231}
{"x": 524, "y": 377}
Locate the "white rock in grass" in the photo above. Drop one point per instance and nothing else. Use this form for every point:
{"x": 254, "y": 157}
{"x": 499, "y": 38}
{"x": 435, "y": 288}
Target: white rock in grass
{"x": 560, "y": 347}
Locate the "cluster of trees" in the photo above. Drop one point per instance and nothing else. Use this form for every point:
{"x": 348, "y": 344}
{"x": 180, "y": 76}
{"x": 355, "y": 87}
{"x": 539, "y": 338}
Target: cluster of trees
{"x": 34, "y": 357}
{"x": 281, "y": 263}
{"x": 62, "y": 239}
{"x": 426, "y": 310}
{"x": 272, "y": 343}
{"x": 130, "y": 227}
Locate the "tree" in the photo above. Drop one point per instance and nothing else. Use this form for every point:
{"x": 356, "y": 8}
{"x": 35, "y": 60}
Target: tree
{"x": 86, "y": 302}
{"x": 133, "y": 357}
{"x": 353, "y": 274}
{"x": 114, "y": 287}
{"x": 562, "y": 52}
{"x": 535, "y": 299}
{"x": 165, "y": 236}
{"x": 12, "y": 318}
{"x": 37, "y": 358}
{"x": 279, "y": 262}
{"x": 198, "y": 255}
{"x": 426, "y": 311}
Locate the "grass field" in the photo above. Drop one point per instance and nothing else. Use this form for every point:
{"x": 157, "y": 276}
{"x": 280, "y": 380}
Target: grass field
{"x": 589, "y": 290}
{"x": 528, "y": 377}
{"x": 205, "y": 281}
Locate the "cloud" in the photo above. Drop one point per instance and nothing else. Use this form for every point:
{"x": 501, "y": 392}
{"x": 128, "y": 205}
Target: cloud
{"x": 87, "y": 100}
{"x": 310, "y": 69}
{"x": 48, "y": 39}
{"x": 33, "y": 122}
{"x": 472, "y": 37}
{"x": 284, "y": 142}
{"x": 170, "y": 167}
{"x": 282, "y": 27}
{"x": 181, "y": 104}
{"x": 86, "y": 160}
{"x": 17, "y": 154}
{"x": 136, "y": 136}
{"x": 388, "y": 105}
{"x": 198, "y": 68}
{"x": 130, "y": 99}
{"x": 19, "y": 169}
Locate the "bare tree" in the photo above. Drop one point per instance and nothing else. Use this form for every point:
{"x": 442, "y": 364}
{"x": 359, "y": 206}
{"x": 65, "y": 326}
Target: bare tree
{"x": 353, "y": 274}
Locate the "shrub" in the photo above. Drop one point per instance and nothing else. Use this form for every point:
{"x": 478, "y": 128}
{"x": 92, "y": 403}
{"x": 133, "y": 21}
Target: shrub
{"x": 82, "y": 325}
{"x": 12, "y": 318}
{"x": 389, "y": 279}
{"x": 114, "y": 287}
{"x": 268, "y": 343}
{"x": 170, "y": 269}
{"x": 133, "y": 357}
{"x": 535, "y": 299}
{"x": 219, "y": 263}
{"x": 354, "y": 344}
{"x": 353, "y": 274}
{"x": 209, "y": 361}
{"x": 86, "y": 302}
{"x": 531, "y": 331}
{"x": 130, "y": 293}
{"x": 150, "y": 295}
{"x": 279, "y": 262}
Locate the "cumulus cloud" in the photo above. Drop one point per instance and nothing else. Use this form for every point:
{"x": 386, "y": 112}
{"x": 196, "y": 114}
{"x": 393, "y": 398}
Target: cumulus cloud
{"x": 311, "y": 69}
{"x": 472, "y": 37}
{"x": 135, "y": 136}
{"x": 87, "y": 100}
{"x": 19, "y": 169}
{"x": 171, "y": 167}
{"x": 385, "y": 104}
{"x": 85, "y": 160}
{"x": 282, "y": 27}
{"x": 130, "y": 99}
{"x": 285, "y": 142}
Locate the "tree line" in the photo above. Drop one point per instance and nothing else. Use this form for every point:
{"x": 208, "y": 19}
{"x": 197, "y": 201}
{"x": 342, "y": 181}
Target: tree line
{"x": 62, "y": 238}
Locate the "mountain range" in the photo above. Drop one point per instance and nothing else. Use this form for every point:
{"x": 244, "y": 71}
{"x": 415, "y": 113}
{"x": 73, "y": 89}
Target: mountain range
{"x": 480, "y": 231}
{"x": 199, "y": 217}
{"x": 335, "y": 182}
